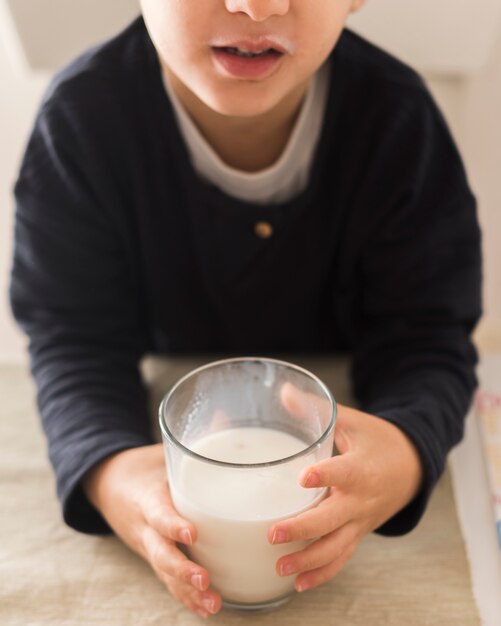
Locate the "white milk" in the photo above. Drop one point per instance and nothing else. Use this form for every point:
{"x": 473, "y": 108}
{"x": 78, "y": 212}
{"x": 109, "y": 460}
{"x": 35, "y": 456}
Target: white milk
{"x": 233, "y": 508}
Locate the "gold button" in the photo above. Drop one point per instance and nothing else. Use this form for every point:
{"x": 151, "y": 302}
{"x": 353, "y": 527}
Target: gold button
{"x": 264, "y": 230}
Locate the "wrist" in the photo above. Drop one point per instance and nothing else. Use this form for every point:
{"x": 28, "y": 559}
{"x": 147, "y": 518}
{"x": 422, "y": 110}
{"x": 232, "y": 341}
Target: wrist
{"x": 125, "y": 467}
{"x": 412, "y": 465}
{"x": 94, "y": 483}
{"x": 416, "y": 468}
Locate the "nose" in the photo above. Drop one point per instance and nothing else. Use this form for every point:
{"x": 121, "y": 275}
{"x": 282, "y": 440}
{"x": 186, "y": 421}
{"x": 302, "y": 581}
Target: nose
{"x": 258, "y": 10}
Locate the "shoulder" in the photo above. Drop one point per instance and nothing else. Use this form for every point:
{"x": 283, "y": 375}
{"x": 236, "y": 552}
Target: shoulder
{"x": 90, "y": 107}
{"x": 393, "y": 136}
{"x": 97, "y": 99}
{"x": 377, "y": 66}
{"x": 101, "y": 78}
{"x": 381, "y": 87}
{"x": 383, "y": 98}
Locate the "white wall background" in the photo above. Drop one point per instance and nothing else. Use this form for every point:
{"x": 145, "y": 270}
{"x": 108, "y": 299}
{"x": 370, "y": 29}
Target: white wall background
{"x": 453, "y": 37}
{"x": 472, "y": 106}
{"x": 18, "y": 103}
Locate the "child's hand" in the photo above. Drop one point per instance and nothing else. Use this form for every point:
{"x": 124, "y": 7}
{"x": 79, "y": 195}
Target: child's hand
{"x": 376, "y": 474}
{"x": 131, "y": 492}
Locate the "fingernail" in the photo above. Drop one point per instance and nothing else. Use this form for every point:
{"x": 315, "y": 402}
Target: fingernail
{"x": 279, "y": 536}
{"x": 208, "y": 603}
{"x": 311, "y": 480}
{"x": 301, "y": 587}
{"x": 185, "y": 536}
{"x": 202, "y": 613}
{"x": 197, "y": 582}
{"x": 286, "y": 569}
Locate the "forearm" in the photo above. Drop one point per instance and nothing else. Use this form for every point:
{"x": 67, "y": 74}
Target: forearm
{"x": 91, "y": 398}
{"x": 91, "y": 408}
{"x": 424, "y": 388}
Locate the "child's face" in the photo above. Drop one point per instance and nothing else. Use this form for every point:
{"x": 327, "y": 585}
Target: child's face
{"x": 192, "y": 37}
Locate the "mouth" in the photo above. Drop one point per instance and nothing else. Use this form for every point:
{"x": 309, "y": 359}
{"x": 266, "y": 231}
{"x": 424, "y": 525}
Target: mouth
{"x": 246, "y": 63}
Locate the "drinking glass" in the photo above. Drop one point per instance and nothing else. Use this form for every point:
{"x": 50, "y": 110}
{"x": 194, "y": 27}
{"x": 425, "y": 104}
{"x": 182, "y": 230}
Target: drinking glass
{"x": 237, "y": 433}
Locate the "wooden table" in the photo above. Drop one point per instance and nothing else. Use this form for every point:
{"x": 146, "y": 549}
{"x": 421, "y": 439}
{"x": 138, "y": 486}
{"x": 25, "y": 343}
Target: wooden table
{"x": 51, "y": 575}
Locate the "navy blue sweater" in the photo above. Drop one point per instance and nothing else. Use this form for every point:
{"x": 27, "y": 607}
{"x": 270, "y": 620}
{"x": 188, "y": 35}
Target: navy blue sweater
{"x": 121, "y": 250}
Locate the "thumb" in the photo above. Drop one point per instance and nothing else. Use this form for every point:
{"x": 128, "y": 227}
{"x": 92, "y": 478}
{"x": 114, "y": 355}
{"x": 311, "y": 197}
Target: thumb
{"x": 302, "y": 404}
{"x": 337, "y": 471}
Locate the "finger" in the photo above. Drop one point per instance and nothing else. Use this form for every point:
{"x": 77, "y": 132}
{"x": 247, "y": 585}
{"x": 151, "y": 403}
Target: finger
{"x": 302, "y": 404}
{"x": 319, "y": 553}
{"x": 185, "y": 594}
{"x": 209, "y": 601}
{"x": 339, "y": 471}
{"x": 166, "y": 559}
{"x": 317, "y": 577}
{"x": 160, "y": 514}
{"x": 203, "y": 603}
{"x": 330, "y": 514}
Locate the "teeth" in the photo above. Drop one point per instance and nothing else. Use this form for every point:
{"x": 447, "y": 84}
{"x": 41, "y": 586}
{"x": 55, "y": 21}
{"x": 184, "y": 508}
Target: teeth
{"x": 247, "y": 53}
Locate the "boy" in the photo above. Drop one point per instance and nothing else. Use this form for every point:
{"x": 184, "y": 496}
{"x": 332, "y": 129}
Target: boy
{"x": 242, "y": 176}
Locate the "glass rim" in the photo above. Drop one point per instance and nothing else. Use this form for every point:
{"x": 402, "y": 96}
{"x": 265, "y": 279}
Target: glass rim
{"x": 199, "y": 457}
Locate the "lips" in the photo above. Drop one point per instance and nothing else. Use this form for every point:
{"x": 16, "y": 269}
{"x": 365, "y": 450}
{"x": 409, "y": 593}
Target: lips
{"x": 249, "y": 58}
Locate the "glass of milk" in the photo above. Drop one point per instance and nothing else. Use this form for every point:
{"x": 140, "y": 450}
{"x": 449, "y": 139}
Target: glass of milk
{"x": 237, "y": 434}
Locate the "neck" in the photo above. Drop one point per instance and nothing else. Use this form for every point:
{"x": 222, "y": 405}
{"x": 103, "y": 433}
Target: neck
{"x": 245, "y": 143}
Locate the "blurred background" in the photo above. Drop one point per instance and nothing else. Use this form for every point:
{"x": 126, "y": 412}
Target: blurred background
{"x": 454, "y": 44}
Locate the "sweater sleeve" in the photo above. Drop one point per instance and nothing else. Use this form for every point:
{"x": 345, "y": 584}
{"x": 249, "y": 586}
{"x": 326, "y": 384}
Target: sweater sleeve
{"x": 72, "y": 293}
{"x": 420, "y": 273}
